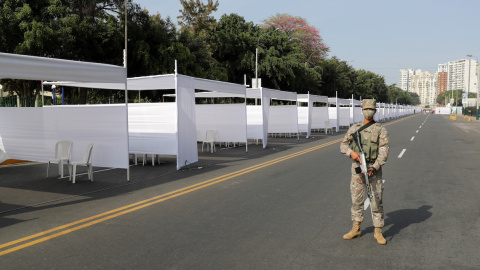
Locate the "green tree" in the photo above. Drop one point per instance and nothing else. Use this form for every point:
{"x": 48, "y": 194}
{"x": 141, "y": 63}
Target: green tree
{"x": 233, "y": 42}
{"x": 446, "y": 97}
{"x": 338, "y": 78}
{"x": 370, "y": 85}
{"x": 197, "y": 16}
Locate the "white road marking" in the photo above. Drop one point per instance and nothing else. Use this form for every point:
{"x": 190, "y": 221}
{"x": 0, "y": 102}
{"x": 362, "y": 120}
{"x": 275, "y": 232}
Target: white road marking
{"x": 401, "y": 154}
{"x": 412, "y": 138}
{"x": 420, "y": 127}
{"x": 416, "y": 131}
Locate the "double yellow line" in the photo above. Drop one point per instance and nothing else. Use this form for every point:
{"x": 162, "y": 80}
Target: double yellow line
{"x": 80, "y": 224}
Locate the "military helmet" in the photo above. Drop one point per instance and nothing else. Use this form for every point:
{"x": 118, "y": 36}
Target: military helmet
{"x": 369, "y": 104}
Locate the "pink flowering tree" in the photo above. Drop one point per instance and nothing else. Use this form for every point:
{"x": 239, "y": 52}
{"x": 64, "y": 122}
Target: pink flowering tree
{"x": 297, "y": 28}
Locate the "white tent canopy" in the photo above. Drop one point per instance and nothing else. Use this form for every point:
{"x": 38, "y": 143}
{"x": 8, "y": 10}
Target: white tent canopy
{"x": 265, "y": 119}
{"x": 31, "y": 133}
{"x": 177, "y": 137}
{"x": 14, "y": 66}
{"x": 228, "y": 120}
{"x": 311, "y": 117}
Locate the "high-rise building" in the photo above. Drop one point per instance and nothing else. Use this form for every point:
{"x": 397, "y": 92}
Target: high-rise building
{"x": 404, "y": 81}
{"x": 424, "y": 84}
{"x": 442, "y": 78}
{"x": 462, "y": 75}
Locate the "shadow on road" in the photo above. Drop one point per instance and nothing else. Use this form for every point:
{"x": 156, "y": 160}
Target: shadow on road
{"x": 401, "y": 219}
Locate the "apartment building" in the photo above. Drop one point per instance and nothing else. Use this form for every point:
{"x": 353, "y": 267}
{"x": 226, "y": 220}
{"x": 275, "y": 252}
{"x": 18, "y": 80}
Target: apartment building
{"x": 404, "y": 81}
{"x": 462, "y": 75}
{"x": 442, "y": 78}
{"x": 424, "y": 84}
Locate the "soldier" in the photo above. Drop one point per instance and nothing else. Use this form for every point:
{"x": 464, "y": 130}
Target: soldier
{"x": 374, "y": 140}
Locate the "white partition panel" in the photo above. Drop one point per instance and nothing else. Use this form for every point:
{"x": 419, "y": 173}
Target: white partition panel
{"x": 153, "y": 128}
{"x": 31, "y": 133}
{"x": 344, "y": 117}
{"x": 332, "y": 115}
{"x": 24, "y": 136}
{"x": 319, "y": 116}
{"x": 254, "y": 122}
{"x": 228, "y": 121}
{"x": 187, "y": 134}
{"x": 381, "y": 112}
{"x": 283, "y": 119}
{"x": 357, "y": 111}
{"x": 443, "y": 110}
{"x": 303, "y": 123}
{"x": 103, "y": 125}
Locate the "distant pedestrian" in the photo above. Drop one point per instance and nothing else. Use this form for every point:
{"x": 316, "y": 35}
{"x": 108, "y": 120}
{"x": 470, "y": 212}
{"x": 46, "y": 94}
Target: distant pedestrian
{"x": 374, "y": 140}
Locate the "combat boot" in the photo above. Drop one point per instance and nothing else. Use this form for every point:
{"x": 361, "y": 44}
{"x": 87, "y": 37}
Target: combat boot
{"x": 379, "y": 237}
{"x": 355, "y": 232}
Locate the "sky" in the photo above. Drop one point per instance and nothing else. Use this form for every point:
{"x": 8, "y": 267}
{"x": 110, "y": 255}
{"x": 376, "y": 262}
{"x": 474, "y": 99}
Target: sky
{"x": 382, "y": 36}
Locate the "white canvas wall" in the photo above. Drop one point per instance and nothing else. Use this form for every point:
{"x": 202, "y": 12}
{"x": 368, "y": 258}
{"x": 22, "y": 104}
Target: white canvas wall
{"x": 303, "y": 123}
{"x": 357, "y": 111}
{"x": 187, "y": 134}
{"x": 228, "y": 120}
{"x": 332, "y": 115}
{"x": 344, "y": 116}
{"x": 31, "y": 133}
{"x": 283, "y": 119}
{"x": 254, "y": 122}
{"x": 319, "y": 116}
{"x": 153, "y": 128}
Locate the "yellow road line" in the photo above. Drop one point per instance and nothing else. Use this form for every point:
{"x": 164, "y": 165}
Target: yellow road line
{"x": 157, "y": 199}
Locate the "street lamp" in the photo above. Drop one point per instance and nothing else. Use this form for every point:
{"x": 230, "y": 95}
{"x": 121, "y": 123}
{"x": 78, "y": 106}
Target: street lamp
{"x": 478, "y": 84}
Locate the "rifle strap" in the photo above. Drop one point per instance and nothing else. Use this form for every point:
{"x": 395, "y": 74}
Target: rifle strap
{"x": 360, "y": 130}
{"x": 366, "y": 126}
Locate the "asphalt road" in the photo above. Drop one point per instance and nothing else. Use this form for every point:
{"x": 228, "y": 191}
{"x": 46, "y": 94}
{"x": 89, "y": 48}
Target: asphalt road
{"x": 285, "y": 209}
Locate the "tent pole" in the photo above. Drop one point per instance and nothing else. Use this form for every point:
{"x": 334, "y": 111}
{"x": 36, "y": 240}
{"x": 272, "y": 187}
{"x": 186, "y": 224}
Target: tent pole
{"x": 126, "y": 91}
{"x": 43, "y": 100}
{"x": 246, "y": 116}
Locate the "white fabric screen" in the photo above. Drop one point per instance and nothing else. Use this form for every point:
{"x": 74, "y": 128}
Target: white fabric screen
{"x": 265, "y": 94}
{"x": 357, "y": 112}
{"x": 283, "y": 119}
{"x": 228, "y": 120}
{"x": 319, "y": 116}
{"x": 153, "y": 128}
{"x": 332, "y": 115}
{"x": 187, "y": 134}
{"x": 254, "y": 122}
{"x": 381, "y": 112}
{"x": 344, "y": 117}
{"x": 31, "y": 133}
{"x": 303, "y": 122}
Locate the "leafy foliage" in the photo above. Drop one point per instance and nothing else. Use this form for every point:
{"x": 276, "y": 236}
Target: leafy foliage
{"x": 299, "y": 30}
{"x": 196, "y": 15}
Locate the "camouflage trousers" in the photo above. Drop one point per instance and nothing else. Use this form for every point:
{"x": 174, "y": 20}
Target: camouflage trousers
{"x": 359, "y": 193}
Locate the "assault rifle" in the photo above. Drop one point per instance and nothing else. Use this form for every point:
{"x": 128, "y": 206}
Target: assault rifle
{"x": 363, "y": 167}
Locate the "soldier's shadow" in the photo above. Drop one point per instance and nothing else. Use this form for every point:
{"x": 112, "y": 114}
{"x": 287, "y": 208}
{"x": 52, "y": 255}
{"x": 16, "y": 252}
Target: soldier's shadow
{"x": 403, "y": 218}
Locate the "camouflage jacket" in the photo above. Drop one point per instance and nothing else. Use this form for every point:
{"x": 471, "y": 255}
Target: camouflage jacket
{"x": 379, "y": 135}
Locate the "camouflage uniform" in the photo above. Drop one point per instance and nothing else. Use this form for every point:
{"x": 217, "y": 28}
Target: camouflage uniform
{"x": 379, "y": 135}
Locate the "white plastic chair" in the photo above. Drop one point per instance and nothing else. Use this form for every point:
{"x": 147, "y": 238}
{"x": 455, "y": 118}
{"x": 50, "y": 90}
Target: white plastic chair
{"x": 87, "y": 161}
{"x": 209, "y": 140}
{"x": 328, "y": 127}
{"x": 66, "y": 148}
